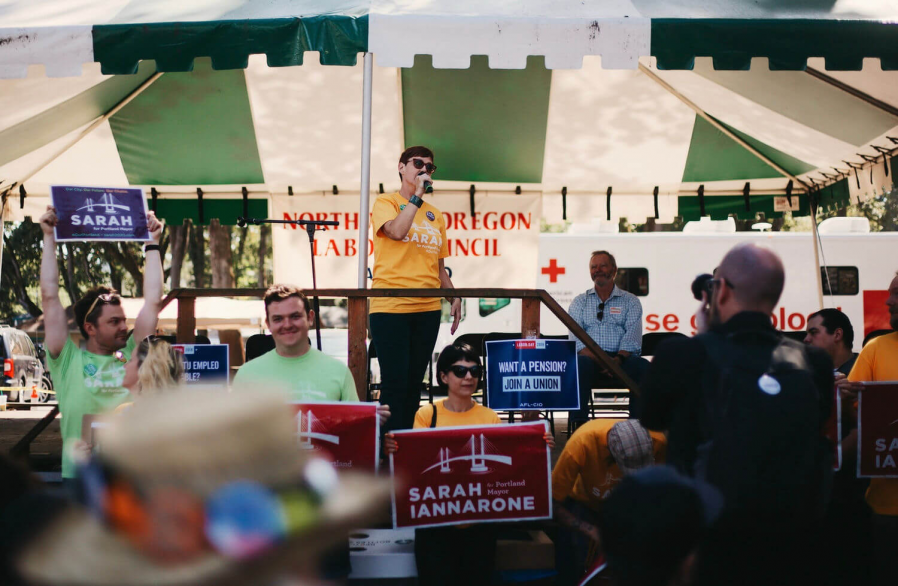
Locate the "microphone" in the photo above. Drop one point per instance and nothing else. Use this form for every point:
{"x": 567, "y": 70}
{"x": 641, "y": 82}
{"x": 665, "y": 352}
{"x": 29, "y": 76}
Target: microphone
{"x": 428, "y": 186}
{"x": 241, "y": 221}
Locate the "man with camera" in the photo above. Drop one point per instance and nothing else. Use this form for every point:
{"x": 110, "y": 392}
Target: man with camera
{"x": 743, "y": 405}
{"x": 613, "y": 319}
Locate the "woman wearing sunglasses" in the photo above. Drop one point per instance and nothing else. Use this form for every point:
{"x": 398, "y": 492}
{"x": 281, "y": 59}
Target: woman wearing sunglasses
{"x": 458, "y": 554}
{"x": 409, "y": 247}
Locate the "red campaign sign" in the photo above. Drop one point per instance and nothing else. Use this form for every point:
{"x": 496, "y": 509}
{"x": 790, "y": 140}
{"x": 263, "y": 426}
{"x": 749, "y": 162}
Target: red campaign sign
{"x": 344, "y": 433}
{"x": 833, "y": 430}
{"x": 456, "y": 475}
{"x": 877, "y": 430}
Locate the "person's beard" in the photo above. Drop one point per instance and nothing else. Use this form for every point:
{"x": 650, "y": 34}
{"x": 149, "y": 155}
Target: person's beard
{"x": 893, "y": 319}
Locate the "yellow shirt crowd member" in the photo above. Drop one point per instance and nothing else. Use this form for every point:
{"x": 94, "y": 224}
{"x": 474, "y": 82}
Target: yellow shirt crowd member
{"x": 586, "y": 471}
{"x": 410, "y": 263}
{"x": 477, "y": 415}
{"x": 878, "y": 361}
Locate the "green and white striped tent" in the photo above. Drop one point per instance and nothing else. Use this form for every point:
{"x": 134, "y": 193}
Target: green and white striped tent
{"x": 626, "y": 97}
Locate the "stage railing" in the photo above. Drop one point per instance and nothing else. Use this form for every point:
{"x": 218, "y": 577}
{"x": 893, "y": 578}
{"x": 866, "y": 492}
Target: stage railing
{"x": 358, "y": 318}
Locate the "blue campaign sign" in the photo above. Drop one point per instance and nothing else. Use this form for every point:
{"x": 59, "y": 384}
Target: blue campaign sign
{"x": 532, "y": 375}
{"x": 99, "y": 213}
{"x": 205, "y": 363}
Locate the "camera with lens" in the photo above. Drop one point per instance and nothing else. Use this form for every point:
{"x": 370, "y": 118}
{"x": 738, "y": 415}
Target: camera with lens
{"x": 699, "y": 285}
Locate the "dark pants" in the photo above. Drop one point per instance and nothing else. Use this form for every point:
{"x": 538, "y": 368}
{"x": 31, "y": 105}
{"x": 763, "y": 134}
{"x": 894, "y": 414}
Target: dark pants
{"x": 590, "y": 376}
{"x": 456, "y": 556}
{"x": 404, "y": 342}
{"x": 572, "y": 547}
{"x": 885, "y": 544}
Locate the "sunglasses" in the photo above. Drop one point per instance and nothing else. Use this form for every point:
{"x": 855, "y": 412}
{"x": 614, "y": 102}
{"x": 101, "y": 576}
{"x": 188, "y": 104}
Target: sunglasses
{"x": 711, "y": 283}
{"x": 601, "y": 313}
{"x": 105, "y": 298}
{"x": 460, "y": 371}
{"x": 420, "y": 164}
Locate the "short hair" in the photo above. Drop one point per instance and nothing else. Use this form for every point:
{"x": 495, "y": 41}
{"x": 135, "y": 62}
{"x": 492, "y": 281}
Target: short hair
{"x": 415, "y": 151}
{"x": 834, "y": 319}
{"x": 282, "y": 292}
{"x": 81, "y": 307}
{"x": 606, "y": 253}
{"x": 452, "y": 354}
{"x": 159, "y": 366}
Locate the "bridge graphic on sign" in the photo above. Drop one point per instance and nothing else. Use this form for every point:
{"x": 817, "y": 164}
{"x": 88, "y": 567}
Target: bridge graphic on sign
{"x": 308, "y": 427}
{"x": 107, "y": 201}
{"x": 487, "y": 452}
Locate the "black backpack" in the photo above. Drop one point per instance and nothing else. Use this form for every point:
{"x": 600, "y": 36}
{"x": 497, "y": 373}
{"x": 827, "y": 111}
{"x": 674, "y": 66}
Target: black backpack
{"x": 761, "y": 425}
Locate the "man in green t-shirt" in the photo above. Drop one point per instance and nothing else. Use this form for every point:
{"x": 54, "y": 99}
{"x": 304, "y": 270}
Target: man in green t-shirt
{"x": 294, "y": 366}
{"x": 89, "y": 381}
{"x": 305, "y": 374}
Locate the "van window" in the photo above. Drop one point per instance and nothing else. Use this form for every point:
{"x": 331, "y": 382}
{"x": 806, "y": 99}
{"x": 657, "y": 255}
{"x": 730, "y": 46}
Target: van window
{"x": 633, "y": 280}
{"x": 446, "y": 308}
{"x": 839, "y": 280}
{"x": 488, "y": 306}
{"x": 18, "y": 344}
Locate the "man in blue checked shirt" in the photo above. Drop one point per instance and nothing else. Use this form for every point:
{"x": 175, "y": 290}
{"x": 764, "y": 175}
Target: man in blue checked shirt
{"x": 613, "y": 318}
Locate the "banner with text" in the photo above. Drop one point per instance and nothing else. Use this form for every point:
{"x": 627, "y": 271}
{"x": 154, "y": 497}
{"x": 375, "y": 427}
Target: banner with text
{"x": 344, "y": 433}
{"x": 877, "y": 434}
{"x": 99, "y": 213}
{"x": 456, "y": 475}
{"x": 524, "y": 375}
{"x": 487, "y": 249}
{"x": 205, "y": 364}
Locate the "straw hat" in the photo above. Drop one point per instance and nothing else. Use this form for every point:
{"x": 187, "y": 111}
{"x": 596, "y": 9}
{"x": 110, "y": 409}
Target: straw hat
{"x": 198, "y": 445}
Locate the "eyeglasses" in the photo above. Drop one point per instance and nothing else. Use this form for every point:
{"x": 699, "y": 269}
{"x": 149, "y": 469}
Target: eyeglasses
{"x": 420, "y": 164}
{"x": 711, "y": 283}
{"x": 460, "y": 371}
{"x": 601, "y": 313}
{"x": 120, "y": 356}
{"x": 105, "y": 298}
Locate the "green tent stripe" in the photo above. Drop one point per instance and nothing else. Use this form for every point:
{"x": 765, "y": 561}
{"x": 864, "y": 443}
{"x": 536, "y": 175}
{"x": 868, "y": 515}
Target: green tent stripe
{"x": 714, "y": 156}
{"x": 190, "y": 129}
{"x": 174, "y": 45}
{"x": 788, "y": 43}
{"x": 68, "y": 116}
{"x": 482, "y": 124}
{"x": 835, "y": 196}
{"x": 719, "y": 207}
{"x": 175, "y": 211}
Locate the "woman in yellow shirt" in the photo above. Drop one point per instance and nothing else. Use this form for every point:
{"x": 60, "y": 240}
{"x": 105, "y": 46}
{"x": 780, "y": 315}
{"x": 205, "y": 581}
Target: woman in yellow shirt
{"x": 409, "y": 248}
{"x": 457, "y": 554}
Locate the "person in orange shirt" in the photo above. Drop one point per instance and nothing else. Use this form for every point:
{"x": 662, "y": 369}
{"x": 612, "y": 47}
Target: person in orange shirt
{"x": 595, "y": 459}
{"x": 878, "y": 361}
{"x": 458, "y": 554}
{"x": 409, "y": 247}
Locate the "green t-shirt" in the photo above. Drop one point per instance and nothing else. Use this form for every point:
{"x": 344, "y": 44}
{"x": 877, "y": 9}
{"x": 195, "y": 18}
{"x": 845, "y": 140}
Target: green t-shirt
{"x": 85, "y": 384}
{"x": 314, "y": 376}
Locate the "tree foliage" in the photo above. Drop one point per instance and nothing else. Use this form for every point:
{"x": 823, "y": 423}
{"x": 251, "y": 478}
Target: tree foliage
{"x": 187, "y": 252}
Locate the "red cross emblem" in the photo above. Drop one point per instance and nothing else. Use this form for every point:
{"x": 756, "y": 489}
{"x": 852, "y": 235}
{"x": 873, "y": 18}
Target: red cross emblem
{"x": 553, "y": 270}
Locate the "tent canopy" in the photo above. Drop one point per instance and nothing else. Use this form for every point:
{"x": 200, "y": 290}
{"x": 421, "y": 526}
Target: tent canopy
{"x": 554, "y": 96}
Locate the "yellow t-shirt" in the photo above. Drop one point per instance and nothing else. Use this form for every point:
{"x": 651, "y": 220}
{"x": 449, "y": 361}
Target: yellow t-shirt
{"x": 585, "y": 471}
{"x": 878, "y": 361}
{"x": 477, "y": 415}
{"x": 411, "y": 263}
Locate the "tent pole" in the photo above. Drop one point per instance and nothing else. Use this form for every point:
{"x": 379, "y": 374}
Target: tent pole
{"x": 654, "y": 77}
{"x": 93, "y": 126}
{"x": 2, "y": 231}
{"x": 816, "y": 236}
{"x": 366, "y": 171}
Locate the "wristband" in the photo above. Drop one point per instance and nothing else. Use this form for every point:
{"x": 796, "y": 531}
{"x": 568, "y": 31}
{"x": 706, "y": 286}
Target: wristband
{"x": 416, "y": 201}
{"x": 150, "y": 247}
